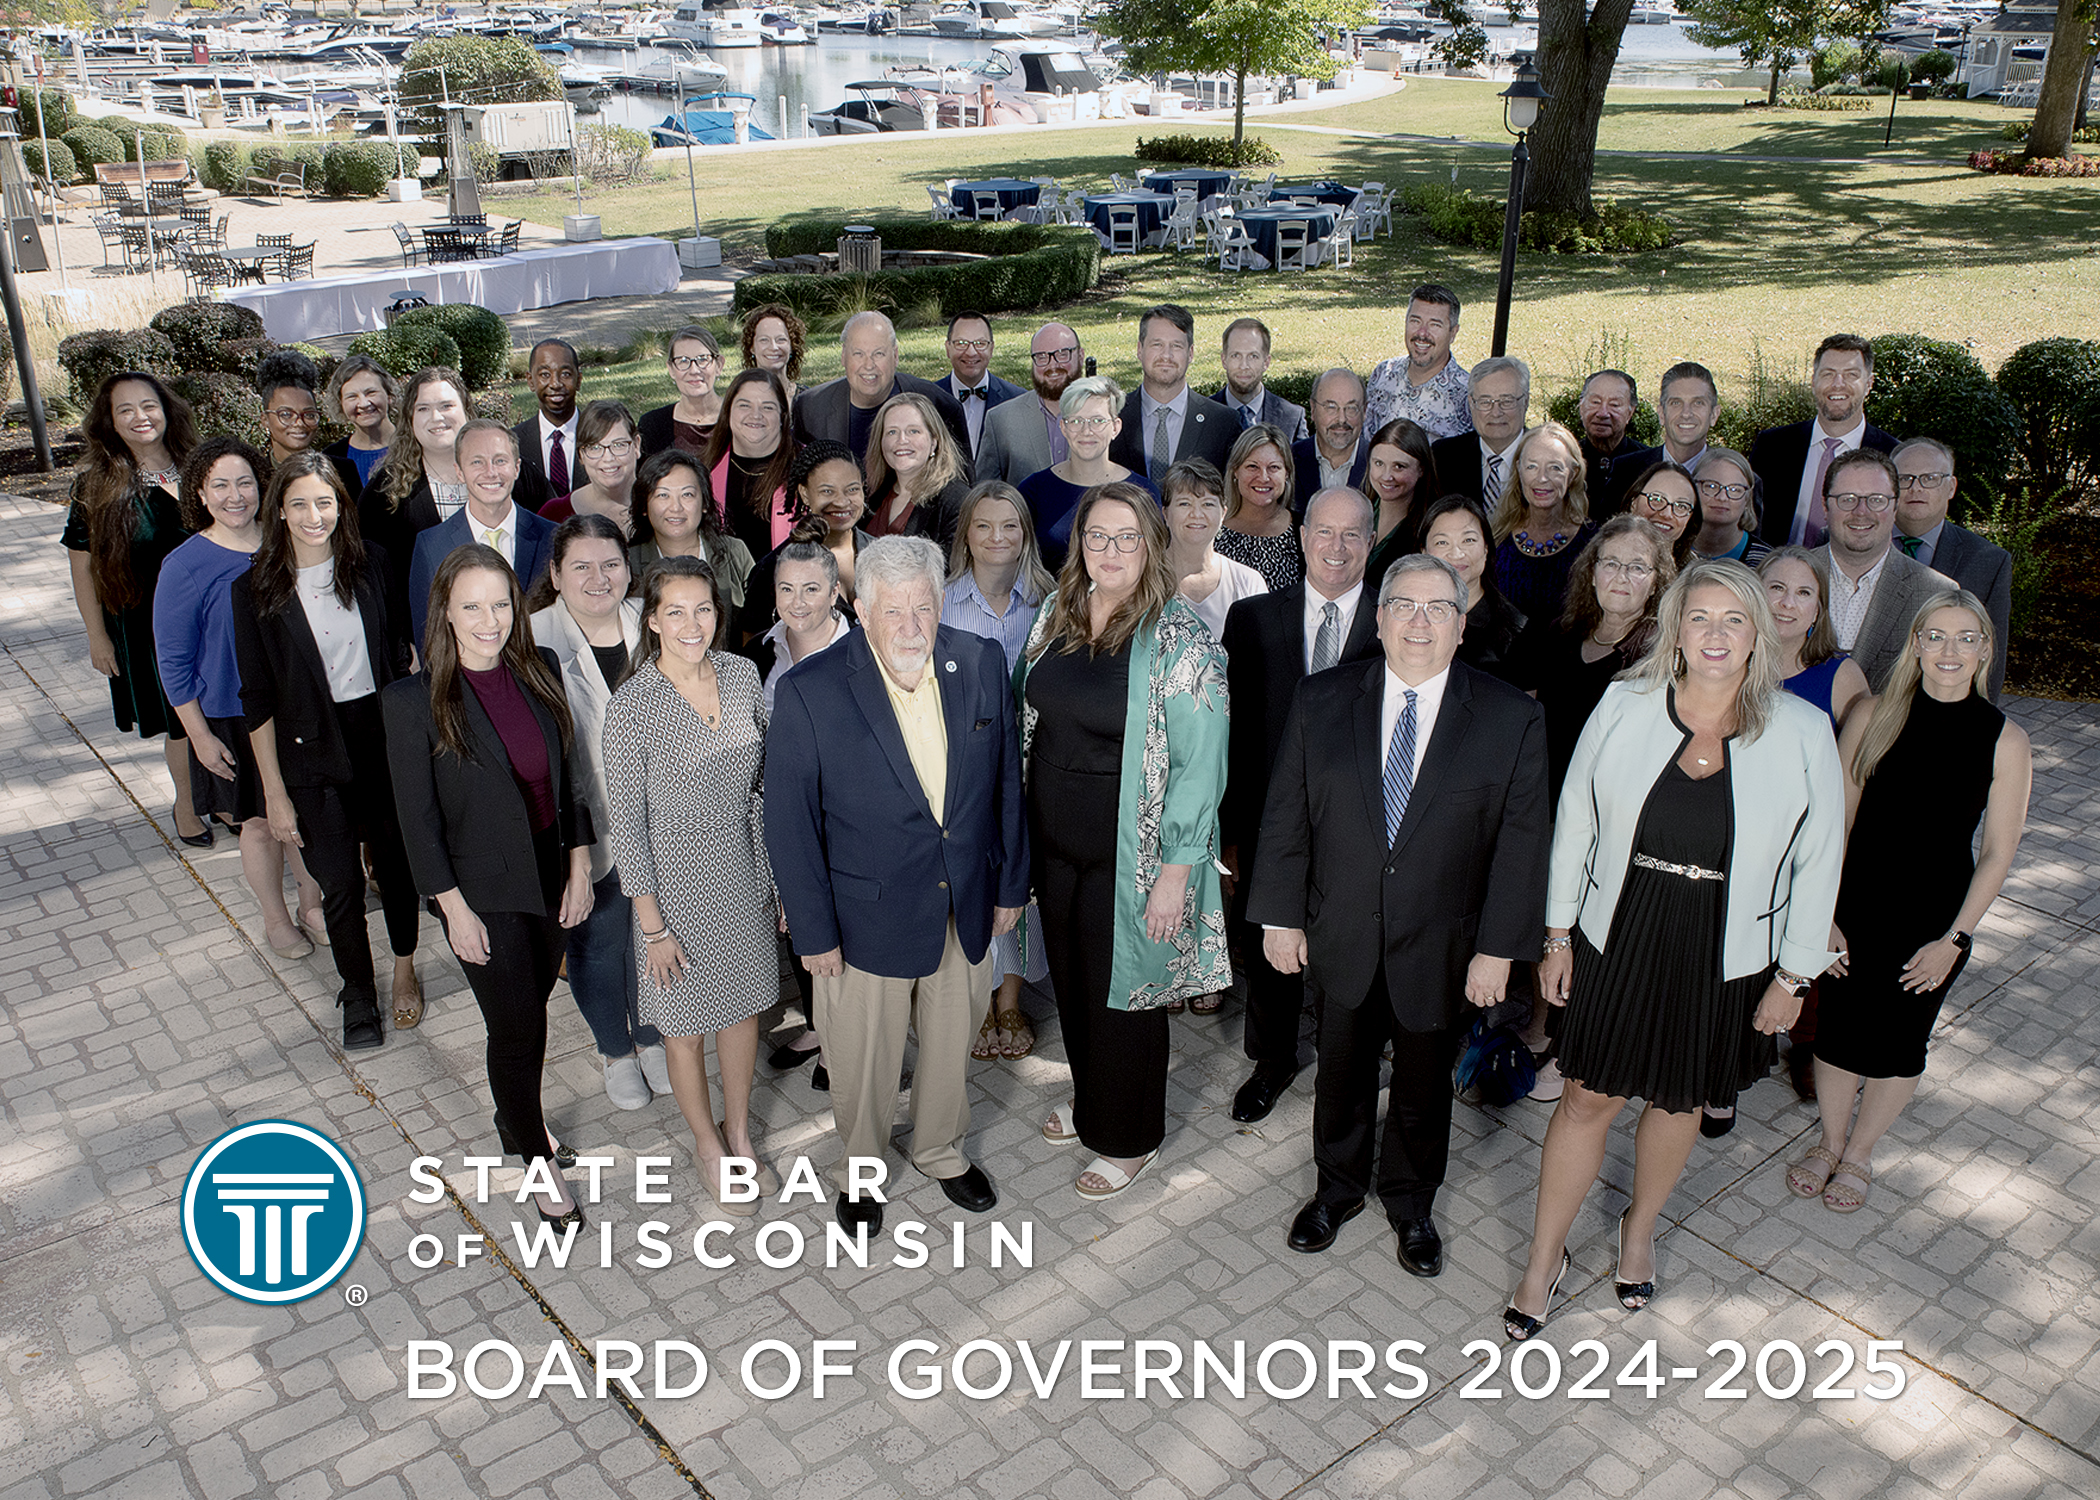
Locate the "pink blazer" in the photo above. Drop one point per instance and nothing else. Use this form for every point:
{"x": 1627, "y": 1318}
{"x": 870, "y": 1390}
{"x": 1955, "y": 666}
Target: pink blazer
{"x": 783, "y": 509}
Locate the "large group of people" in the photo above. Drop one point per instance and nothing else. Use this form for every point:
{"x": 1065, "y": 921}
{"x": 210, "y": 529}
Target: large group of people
{"x": 1414, "y": 712}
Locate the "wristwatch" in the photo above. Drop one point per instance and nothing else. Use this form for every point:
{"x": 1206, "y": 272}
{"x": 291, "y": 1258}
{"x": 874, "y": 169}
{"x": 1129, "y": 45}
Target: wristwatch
{"x": 1793, "y": 982}
{"x": 1960, "y": 939}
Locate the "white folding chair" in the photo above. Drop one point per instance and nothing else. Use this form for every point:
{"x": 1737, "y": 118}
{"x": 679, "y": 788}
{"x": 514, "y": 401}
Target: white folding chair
{"x": 988, "y": 205}
{"x": 1341, "y": 244}
{"x": 1376, "y": 208}
{"x": 1122, "y": 231}
{"x": 1181, "y": 224}
{"x": 1237, "y": 252}
{"x": 1291, "y": 246}
{"x": 943, "y": 202}
{"x": 1116, "y": 178}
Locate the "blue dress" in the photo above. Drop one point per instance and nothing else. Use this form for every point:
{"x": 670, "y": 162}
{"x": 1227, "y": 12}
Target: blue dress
{"x": 1813, "y": 684}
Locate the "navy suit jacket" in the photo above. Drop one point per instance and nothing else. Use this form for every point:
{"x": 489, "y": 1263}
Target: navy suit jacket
{"x": 860, "y": 862}
{"x": 1287, "y": 416}
{"x": 996, "y": 390}
{"x": 1777, "y": 456}
{"x": 1306, "y": 456}
{"x": 534, "y": 550}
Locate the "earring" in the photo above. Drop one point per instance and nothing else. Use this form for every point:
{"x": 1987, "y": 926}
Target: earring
{"x": 1682, "y": 665}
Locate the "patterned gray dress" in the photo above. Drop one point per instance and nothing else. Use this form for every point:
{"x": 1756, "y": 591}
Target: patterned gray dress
{"x": 687, "y": 828}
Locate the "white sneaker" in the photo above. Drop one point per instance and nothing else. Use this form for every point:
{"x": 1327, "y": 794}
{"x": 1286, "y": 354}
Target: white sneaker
{"x": 624, "y": 1084}
{"x": 1550, "y": 1085}
{"x": 656, "y": 1067}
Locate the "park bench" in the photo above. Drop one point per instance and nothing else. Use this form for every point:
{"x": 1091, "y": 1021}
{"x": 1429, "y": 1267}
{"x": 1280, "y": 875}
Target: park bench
{"x": 291, "y": 179}
{"x": 172, "y": 169}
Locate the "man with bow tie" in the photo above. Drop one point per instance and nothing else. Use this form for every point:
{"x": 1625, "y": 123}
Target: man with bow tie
{"x": 969, "y": 379}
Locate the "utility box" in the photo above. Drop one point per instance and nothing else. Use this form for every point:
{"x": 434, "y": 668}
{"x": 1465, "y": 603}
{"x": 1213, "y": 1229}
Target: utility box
{"x": 520, "y": 129}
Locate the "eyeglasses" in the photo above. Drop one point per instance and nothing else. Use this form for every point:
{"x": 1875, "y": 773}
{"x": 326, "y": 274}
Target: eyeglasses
{"x": 1124, "y": 541}
{"x": 290, "y": 415}
{"x": 1967, "y": 642}
{"x": 1657, "y": 502}
{"x": 1872, "y": 504}
{"x": 1439, "y": 611}
{"x": 612, "y": 448}
{"x": 1725, "y": 491}
{"x": 1086, "y": 424}
{"x": 1055, "y": 356}
{"x": 1500, "y": 403}
{"x": 691, "y": 361}
{"x": 1930, "y": 481}
{"x": 1338, "y": 409}
{"x": 971, "y": 346}
{"x": 1633, "y": 572}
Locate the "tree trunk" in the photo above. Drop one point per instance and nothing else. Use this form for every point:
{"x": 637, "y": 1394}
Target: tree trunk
{"x": 2085, "y": 91}
{"x": 1239, "y": 108}
{"x": 2063, "y": 82}
{"x": 1772, "y": 93}
{"x": 1575, "y": 63}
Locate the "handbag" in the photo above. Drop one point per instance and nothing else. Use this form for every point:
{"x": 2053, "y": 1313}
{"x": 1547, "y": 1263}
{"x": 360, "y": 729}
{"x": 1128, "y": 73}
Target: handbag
{"x": 1494, "y": 1066}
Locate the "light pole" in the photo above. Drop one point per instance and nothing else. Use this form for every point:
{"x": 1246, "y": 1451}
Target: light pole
{"x": 1520, "y": 111}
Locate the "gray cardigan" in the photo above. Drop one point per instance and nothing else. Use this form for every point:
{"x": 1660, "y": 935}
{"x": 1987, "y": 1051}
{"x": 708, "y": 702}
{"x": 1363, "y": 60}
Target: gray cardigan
{"x": 1788, "y": 845}
{"x": 556, "y": 629}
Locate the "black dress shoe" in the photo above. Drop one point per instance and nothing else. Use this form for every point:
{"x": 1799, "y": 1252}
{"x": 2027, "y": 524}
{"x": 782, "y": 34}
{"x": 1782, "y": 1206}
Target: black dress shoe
{"x": 855, "y": 1212}
{"x": 361, "y": 1026}
{"x": 790, "y": 1057}
{"x": 1258, "y": 1095}
{"x": 1318, "y": 1223}
{"x": 562, "y": 1221}
{"x": 820, "y": 1080}
{"x": 971, "y": 1191}
{"x": 1713, "y": 1127}
{"x": 1421, "y": 1248}
{"x": 202, "y": 839}
{"x": 564, "y": 1156}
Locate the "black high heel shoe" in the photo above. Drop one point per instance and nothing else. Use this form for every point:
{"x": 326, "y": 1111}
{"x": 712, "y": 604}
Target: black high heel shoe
{"x": 564, "y": 1156}
{"x": 1520, "y": 1326}
{"x": 1632, "y": 1295}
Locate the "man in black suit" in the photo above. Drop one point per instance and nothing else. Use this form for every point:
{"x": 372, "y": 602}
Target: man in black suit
{"x": 970, "y": 379}
{"x": 1339, "y": 450}
{"x": 547, "y": 465}
{"x": 844, "y": 409}
{"x": 1603, "y": 425}
{"x": 1272, "y": 642}
{"x": 1925, "y": 483}
{"x": 1793, "y": 461}
{"x": 1687, "y": 401}
{"x": 1246, "y": 355}
{"x": 1163, "y": 420}
{"x": 1476, "y": 463}
{"x": 1425, "y": 781}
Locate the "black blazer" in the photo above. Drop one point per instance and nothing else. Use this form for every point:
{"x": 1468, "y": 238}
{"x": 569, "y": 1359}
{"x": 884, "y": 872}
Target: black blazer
{"x": 758, "y": 613}
{"x": 1777, "y": 457}
{"x": 282, "y": 678}
{"x": 1208, "y": 430}
{"x": 1985, "y": 569}
{"x": 826, "y": 411}
{"x": 653, "y": 430}
{"x": 1264, "y": 641}
{"x": 1458, "y": 466}
{"x": 339, "y": 454}
{"x": 1467, "y": 874}
{"x": 533, "y": 489}
{"x": 1611, "y": 475}
{"x": 1306, "y": 457}
{"x": 465, "y": 822}
{"x": 394, "y": 531}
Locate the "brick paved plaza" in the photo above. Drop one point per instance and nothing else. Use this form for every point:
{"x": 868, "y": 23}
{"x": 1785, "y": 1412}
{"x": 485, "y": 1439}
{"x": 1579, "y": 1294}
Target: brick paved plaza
{"x": 143, "y": 1019}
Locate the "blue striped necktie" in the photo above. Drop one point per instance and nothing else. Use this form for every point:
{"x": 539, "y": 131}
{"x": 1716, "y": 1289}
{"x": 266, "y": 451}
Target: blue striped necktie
{"x": 1400, "y": 771}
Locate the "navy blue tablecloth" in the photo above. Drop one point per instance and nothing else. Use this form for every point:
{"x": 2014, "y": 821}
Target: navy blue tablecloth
{"x": 1261, "y": 225}
{"x": 1013, "y": 193}
{"x": 1152, "y": 210}
{"x": 1326, "y": 192}
{"x": 1206, "y": 184}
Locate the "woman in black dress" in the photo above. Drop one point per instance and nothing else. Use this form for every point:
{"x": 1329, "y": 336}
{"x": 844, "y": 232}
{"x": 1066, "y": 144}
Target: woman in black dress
{"x": 749, "y": 453}
{"x": 1694, "y": 868}
{"x": 1455, "y": 530}
{"x": 1542, "y": 521}
{"x": 123, "y": 523}
{"x": 1932, "y": 761}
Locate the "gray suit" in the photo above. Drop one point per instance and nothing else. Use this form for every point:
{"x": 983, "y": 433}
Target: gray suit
{"x": 1985, "y": 569}
{"x": 1904, "y": 585}
{"x": 1277, "y": 412}
{"x": 1015, "y": 443}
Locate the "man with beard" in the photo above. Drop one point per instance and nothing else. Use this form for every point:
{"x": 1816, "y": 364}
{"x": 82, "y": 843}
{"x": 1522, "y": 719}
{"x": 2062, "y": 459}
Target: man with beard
{"x": 1793, "y": 461}
{"x": 1247, "y": 360}
{"x": 1022, "y": 436}
{"x": 1336, "y": 454}
{"x": 1426, "y": 385}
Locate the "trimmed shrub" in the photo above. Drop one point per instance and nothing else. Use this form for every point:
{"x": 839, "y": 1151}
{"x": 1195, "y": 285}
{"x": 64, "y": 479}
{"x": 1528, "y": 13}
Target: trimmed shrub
{"x": 1647, "y": 422}
{"x": 2014, "y": 164}
{"x": 495, "y": 406}
{"x": 58, "y": 115}
{"x": 1934, "y": 66}
{"x": 483, "y": 339}
{"x": 612, "y": 153}
{"x": 1834, "y": 104}
{"x": 1208, "y": 151}
{"x": 1455, "y": 214}
{"x": 92, "y": 357}
{"x": 324, "y": 363}
{"x": 225, "y": 166}
{"x": 2017, "y": 130}
{"x": 1025, "y": 265}
{"x": 402, "y": 351}
{"x": 52, "y": 159}
{"x": 2055, "y": 384}
{"x": 92, "y": 146}
{"x": 356, "y": 169}
{"x": 1930, "y": 388}
{"x": 201, "y": 330}
{"x": 223, "y": 403}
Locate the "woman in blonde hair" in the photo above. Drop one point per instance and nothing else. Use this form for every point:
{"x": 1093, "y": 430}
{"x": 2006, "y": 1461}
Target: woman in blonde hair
{"x": 1542, "y": 522}
{"x": 1123, "y": 733}
{"x": 1694, "y": 868}
{"x": 1932, "y": 761}
{"x": 916, "y": 477}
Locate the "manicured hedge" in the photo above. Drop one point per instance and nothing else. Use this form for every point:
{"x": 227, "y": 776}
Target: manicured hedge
{"x": 200, "y": 331}
{"x": 1208, "y": 151}
{"x": 91, "y": 357}
{"x": 57, "y": 117}
{"x": 224, "y": 168}
{"x": 1930, "y": 388}
{"x": 2056, "y": 385}
{"x": 52, "y": 159}
{"x": 222, "y": 403}
{"x": 357, "y": 169}
{"x": 483, "y": 356}
{"x": 91, "y": 146}
{"x": 1026, "y": 265}
{"x": 402, "y": 351}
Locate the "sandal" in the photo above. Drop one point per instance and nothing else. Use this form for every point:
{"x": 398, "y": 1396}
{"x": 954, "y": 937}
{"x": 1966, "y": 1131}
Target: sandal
{"x": 1176, "y": 1007}
{"x": 1840, "y": 1199}
{"x": 1020, "y": 1037}
{"x": 1519, "y": 1325}
{"x": 1059, "y": 1130}
{"x": 1116, "y": 1178}
{"x": 1802, "y": 1179}
{"x": 987, "y": 1047}
{"x": 408, "y": 1004}
{"x": 1207, "y": 1005}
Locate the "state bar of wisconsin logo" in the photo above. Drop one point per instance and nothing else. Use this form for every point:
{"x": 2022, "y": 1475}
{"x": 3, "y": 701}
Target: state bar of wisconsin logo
{"x": 273, "y": 1212}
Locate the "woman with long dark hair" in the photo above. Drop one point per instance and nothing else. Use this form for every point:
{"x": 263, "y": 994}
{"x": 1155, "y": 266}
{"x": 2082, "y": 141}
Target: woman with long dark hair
{"x": 419, "y": 482}
{"x": 123, "y": 522}
{"x": 1125, "y": 836}
{"x": 481, "y": 745}
{"x": 674, "y": 514}
{"x": 1400, "y": 479}
{"x": 317, "y": 637}
{"x": 749, "y": 453}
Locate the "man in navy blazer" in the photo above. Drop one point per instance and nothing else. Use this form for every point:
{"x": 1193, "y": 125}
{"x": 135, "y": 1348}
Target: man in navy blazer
{"x": 1925, "y": 483}
{"x": 487, "y": 454}
{"x": 1337, "y": 430}
{"x": 1794, "y": 460}
{"x": 970, "y": 379}
{"x": 899, "y": 846}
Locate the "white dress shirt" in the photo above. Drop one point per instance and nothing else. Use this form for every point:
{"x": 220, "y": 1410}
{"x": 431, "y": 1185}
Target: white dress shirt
{"x": 1334, "y": 476}
{"x": 973, "y": 409}
{"x": 1429, "y": 698}
{"x": 568, "y": 448}
{"x": 1804, "y": 496}
{"x": 1148, "y": 418}
{"x": 1316, "y": 607}
{"x": 1850, "y": 601}
{"x": 1507, "y": 478}
{"x": 506, "y": 534}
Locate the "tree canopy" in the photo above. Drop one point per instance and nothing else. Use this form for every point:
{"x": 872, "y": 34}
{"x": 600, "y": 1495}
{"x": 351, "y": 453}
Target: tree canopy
{"x": 472, "y": 70}
{"x": 1240, "y": 38}
{"x": 1780, "y": 32}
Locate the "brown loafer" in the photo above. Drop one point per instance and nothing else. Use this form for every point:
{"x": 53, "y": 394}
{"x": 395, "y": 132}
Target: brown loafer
{"x": 408, "y": 1004}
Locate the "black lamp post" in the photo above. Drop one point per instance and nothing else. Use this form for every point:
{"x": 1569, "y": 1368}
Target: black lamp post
{"x": 1520, "y": 111}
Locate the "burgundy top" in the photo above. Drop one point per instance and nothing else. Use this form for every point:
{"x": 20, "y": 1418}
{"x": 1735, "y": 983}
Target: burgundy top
{"x": 505, "y": 703}
{"x": 691, "y": 436}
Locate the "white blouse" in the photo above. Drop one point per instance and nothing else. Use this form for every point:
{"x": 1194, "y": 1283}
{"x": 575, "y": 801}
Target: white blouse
{"x": 339, "y": 630}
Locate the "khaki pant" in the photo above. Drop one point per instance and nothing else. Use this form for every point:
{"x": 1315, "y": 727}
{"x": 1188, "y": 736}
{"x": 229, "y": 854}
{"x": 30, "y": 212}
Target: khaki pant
{"x": 863, "y": 1019}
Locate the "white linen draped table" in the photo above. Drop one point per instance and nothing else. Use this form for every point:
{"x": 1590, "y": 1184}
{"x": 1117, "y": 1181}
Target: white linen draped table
{"x": 297, "y": 311}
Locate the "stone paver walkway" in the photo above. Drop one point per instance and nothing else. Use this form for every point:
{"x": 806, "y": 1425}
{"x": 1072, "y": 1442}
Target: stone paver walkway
{"x": 141, "y": 1020}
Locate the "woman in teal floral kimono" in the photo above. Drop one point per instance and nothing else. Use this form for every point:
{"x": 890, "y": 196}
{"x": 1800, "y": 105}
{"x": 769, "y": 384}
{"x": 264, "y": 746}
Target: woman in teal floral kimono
{"x": 1123, "y": 730}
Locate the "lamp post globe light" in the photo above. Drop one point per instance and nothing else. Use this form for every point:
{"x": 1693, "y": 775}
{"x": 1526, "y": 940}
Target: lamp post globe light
{"x": 1521, "y": 103}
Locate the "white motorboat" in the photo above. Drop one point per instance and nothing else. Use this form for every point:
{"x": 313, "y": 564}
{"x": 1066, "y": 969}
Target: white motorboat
{"x": 715, "y": 24}
{"x": 992, "y": 18}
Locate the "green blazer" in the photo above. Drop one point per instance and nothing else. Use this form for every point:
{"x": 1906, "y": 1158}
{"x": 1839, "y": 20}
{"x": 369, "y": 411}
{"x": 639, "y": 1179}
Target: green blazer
{"x": 1173, "y": 775}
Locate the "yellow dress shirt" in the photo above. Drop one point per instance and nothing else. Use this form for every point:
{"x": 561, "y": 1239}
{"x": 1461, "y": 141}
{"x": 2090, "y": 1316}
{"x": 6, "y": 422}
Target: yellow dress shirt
{"x": 925, "y": 731}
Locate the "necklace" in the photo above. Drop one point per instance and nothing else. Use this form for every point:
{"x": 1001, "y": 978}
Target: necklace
{"x": 1531, "y": 548}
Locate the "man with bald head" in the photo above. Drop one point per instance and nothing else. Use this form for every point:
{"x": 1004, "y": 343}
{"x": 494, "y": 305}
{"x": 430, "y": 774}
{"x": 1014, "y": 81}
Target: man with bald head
{"x": 843, "y": 410}
{"x": 1022, "y": 436}
{"x": 1925, "y": 483}
{"x": 1338, "y": 451}
{"x": 1271, "y": 642}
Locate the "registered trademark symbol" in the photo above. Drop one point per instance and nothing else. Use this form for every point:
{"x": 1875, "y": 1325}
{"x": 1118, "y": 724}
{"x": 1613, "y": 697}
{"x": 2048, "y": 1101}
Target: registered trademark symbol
{"x": 356, "y": 1295}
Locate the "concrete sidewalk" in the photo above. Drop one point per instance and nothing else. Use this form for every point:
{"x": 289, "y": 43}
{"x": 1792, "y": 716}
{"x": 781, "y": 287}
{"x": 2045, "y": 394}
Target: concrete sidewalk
{"x": 142, "y": 1019}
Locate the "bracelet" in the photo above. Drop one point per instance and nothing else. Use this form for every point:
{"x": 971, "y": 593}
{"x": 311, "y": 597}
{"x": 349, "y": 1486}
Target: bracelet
{"x": 657, "y": 936}
{"x": 1559, "y": 944}
{"x": 1793, "y": 982}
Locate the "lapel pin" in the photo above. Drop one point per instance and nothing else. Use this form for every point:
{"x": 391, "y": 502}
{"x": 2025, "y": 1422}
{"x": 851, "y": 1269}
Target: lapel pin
{"x": 950, "y": 666}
